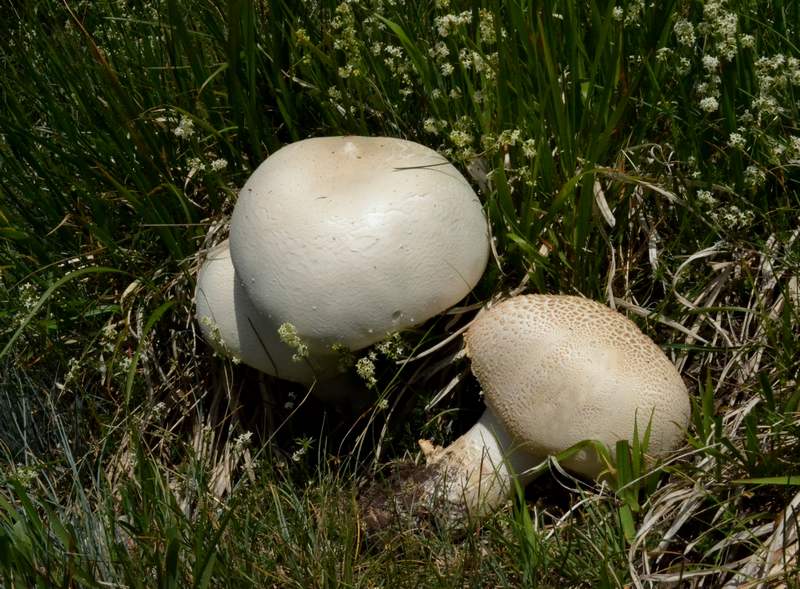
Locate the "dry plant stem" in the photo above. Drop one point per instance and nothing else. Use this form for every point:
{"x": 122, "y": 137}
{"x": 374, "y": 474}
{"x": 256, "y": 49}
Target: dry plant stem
{"x": 777, "y": 557}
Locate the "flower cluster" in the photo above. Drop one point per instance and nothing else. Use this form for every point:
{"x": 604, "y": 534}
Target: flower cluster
{"x": 288, "y": 335}
{"x": 449, "y": 23}
{"x": 347, "y": 41}
{"x": 729, "y": 216}
{"x": 365, "y": 368}
{"x": 185, "y": 128}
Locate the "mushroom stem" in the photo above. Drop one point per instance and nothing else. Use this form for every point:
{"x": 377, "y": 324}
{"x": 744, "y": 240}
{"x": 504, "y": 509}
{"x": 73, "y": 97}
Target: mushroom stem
{"x": 470, "y": 478}
{"x": 477, "y": 471}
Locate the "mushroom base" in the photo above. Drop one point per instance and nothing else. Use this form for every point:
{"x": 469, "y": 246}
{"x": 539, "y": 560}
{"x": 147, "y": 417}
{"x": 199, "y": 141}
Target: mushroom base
{"x": 469, "y": 479}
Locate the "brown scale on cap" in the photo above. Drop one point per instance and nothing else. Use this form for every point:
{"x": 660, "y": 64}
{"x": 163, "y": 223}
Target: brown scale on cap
{"x": 559, "y": 369}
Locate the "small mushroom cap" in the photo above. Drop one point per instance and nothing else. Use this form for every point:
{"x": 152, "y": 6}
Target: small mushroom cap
{"x": 557, "y": 370}
{"x": 350, "y": 238}
{"x": 230, "y": 323}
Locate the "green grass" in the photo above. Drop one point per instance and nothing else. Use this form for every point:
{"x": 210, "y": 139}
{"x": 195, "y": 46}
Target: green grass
{"x": 613, "y": 161}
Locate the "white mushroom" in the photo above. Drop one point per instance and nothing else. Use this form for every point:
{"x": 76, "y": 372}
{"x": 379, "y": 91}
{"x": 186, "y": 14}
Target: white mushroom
{"x": 351, "y": 238}
{"x": 555, "y": 370}
{"x": 230, "y": 322}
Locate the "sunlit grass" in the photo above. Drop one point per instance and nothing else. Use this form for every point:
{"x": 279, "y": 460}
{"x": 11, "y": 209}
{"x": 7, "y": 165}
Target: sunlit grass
{"x": 644, "y": 156}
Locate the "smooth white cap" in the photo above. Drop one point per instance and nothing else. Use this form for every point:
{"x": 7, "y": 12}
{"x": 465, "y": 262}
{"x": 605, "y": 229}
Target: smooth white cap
{"x": 230, "y": 322}
{"x": 351, "y": 238}
{"x": 557, "y": 370}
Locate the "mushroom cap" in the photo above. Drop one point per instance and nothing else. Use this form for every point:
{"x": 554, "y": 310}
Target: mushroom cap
{"x": 229, "y": 322}
{"x": 557, "y": 370}
{"x": 350, "y": 238}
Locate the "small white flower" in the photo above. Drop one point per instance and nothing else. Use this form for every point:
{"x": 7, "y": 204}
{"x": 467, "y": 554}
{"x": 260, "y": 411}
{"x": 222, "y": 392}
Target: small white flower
{"x": 709, "y": 104}
{"x": 736, "y": 140}
{"x": 365, "y": 368}
{"x": 663, "y": 54}
{"x": 529, "y": 148}
{"x": 288, "y": 335}
{"x": 242, "y": 441}
{"x": 794, "y": 145}
{"x": 446, "y": 69}
{"x": 754, "y": 177}
{"x": 28, "y": 296}
{"x": 439, "y": 51}
{"x": 219, "y": 164}
{"x": 392, "y": 347}
{"x": 684, "y": 31}
{"x": 710, "y": 62}
{"x": 195, "y": 165}
{"x": 618, "y": 14}
{"x": 158, "y": 411}
{"x": 460, "y": 138}
{"x": 509, "y": 137}
{"x": 430, "y": 126}
{"x": 185, "y": 128}
{"x": 302, "y": 36}
{"x": 486, "y": 27}
{"x": 298, "y": 454}
{"x": 706, "y": 198}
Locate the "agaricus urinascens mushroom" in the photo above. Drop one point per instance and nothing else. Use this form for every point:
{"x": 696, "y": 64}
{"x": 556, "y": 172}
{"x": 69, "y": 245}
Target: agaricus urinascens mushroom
{"x": 555, "y": 370}
{"x": 347, "y": 239}
{"x": 230, "y": 322}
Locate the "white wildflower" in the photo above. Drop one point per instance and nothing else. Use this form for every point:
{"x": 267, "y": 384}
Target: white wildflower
{"x": 241, "y": 442}
{"x": 288, "y": 334}
{"x": 28, "y": 296}
{"x": 794, "y": 145}
{"x": 392, "y": 347}
{"x": 684, "y": 31}
{"x": 710, "y": 62}
{"x": 663, "y": 54}
{"x": 486, "y": 26}
{"x": 736, "y": 140}
{"x": 509, "y": 137}
{"x": 439, "y": 51}
{"x": 185, "y": 128}
{"x": 709, "y": 104}
{"x": 529, "y": 148}
{"x": 705, "y": 197}
{"x": 449, "y": 22}
{"x": 158, "y": 411}
{"x": 430, "y": 126}
{"x": 461, "y": 138}
{"x": 754, "y": 177}
{"x": 195, "y": 165}
{"x": 365, "y": 368}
